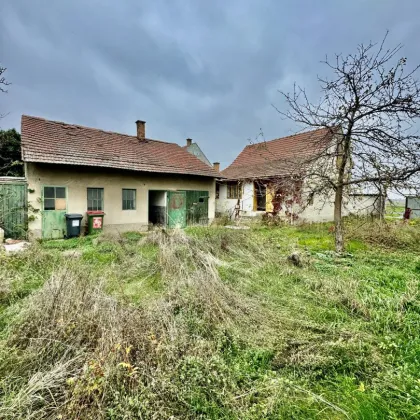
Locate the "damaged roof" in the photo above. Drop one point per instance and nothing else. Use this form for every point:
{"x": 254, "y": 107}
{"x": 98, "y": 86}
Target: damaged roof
{"x": 56, "y": 142}
{"x": 276, "y": 157}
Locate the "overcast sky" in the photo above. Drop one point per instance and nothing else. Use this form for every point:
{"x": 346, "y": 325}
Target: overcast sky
{"x": 208, "y": 70}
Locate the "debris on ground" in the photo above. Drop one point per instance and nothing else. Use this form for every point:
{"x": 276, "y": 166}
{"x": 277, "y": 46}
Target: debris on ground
{"x": 10, "y": 241}
{"x": 15, "y": 246}
{"x": 299, "y": 259}
{"x": 237, "y": 227}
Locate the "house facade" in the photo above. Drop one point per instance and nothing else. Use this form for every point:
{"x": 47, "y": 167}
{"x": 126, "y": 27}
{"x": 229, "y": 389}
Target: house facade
{"x": 263, "y": 180}
{"x": 135, "y": 181}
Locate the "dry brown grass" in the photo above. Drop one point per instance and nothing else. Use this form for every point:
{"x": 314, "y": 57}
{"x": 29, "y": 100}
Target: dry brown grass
{"x": 387, "y": 234}
{"x": 78, "y": 346}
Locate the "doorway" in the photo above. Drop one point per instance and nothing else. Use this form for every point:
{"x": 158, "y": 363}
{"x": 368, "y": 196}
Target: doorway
{"x": 157, "y": 207}
{"x": 260, "y": 191}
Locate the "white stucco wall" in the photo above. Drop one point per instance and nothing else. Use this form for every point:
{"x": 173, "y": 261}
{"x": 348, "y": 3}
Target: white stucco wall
{"x": 318, "y": 212}
{"x": 322, "y": 209}
{"x": 77, "y": 179}
{"x": 226, "y": 205}
{"x": 362, "y": 205}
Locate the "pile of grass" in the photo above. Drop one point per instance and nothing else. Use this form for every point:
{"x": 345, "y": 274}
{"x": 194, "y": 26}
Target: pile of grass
{"x": 212, "y": 324}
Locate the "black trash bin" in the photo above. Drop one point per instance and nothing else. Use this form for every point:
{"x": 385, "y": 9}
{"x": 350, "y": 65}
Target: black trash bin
{"x": 73, "y": 222}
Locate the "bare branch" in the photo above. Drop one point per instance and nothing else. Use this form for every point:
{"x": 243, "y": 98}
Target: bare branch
{"x": 375, "y": 101}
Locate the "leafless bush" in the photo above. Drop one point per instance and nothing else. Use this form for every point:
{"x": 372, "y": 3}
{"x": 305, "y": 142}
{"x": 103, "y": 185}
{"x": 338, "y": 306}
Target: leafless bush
{"x": 386, "y": 234}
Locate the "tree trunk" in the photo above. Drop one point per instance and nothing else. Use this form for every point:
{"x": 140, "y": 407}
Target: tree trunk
{"x": 339, "y": 231}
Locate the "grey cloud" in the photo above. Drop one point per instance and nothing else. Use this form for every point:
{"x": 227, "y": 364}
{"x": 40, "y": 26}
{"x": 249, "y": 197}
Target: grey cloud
{"x": 206, "y": 70}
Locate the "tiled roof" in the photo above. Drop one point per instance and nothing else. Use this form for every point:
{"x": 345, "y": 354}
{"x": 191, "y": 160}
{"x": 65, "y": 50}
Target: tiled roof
{"x": 60, "y": 143}
{"x": 276, "y": 157}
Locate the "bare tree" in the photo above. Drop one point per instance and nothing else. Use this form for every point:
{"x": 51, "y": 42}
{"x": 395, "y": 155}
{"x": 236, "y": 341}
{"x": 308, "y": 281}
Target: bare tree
{"x": 3, "y": 83}
{"x": 370, "y": 107}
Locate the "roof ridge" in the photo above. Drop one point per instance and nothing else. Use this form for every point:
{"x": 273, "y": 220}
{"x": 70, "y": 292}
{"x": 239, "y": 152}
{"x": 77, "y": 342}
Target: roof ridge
{"x": 96, "y": 129}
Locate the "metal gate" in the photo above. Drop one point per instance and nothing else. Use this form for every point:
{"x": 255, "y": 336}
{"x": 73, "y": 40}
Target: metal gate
{"x": 13, "y": 207}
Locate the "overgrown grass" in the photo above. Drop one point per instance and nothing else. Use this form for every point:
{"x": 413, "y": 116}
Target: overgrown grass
{"x": 216, "y": 324}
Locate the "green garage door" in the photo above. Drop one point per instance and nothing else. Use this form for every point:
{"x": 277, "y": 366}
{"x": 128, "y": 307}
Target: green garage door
{"x": 176, "y": 205}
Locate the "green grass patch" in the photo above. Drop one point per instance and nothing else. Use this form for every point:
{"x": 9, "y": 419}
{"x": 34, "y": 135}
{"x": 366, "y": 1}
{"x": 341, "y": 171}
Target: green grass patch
{"x": 214, "y": 323}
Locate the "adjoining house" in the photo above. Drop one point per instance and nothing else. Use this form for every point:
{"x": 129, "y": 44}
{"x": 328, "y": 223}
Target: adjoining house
{"x": 134, "y": 180}
{"x": 263, "y": 179}
{"x": 195, "y": 150}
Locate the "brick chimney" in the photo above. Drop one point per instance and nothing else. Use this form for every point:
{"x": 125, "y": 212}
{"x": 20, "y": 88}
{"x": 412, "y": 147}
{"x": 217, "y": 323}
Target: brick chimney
{"x": 189, "y": 142}
{"x": 216, "y": 166}
{"x": 141, "y": 129}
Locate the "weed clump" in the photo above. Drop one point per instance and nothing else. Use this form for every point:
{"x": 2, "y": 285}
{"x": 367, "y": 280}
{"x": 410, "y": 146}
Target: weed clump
{"x": 386, "y": 234}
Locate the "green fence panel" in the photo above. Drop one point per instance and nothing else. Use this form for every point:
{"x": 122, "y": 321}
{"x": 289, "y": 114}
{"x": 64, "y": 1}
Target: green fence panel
{"x": 14, "y": 210}
{"x": 197, "y": 208}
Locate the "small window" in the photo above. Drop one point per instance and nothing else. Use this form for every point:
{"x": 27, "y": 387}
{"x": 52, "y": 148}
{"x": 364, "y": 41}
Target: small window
{"x": 55, "y": 198}
{"x": 128, "y": 199}
{"x": 95, "y": 199}
{"x": 234, "y": 190}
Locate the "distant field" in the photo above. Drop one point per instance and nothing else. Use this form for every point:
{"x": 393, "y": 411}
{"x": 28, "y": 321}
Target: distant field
{"x": 394, "y": 211}
{"x": 214, "y": 323}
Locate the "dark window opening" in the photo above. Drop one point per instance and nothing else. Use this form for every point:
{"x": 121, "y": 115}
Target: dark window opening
{"x": 95, "y": 199}
{"x": 128, "y": 199}
{"x": 234, "y": 190}
{"x": 261, "y": 197}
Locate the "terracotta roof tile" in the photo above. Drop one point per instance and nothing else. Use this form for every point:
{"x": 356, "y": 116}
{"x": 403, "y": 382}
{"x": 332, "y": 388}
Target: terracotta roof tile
{"x": 275, "y": 157}
{"x": 57, "y": 142}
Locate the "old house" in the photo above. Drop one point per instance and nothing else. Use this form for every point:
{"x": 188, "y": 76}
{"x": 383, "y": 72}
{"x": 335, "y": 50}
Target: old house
{"x": 264, "y": 179}
{"x": 134, "y": 180}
